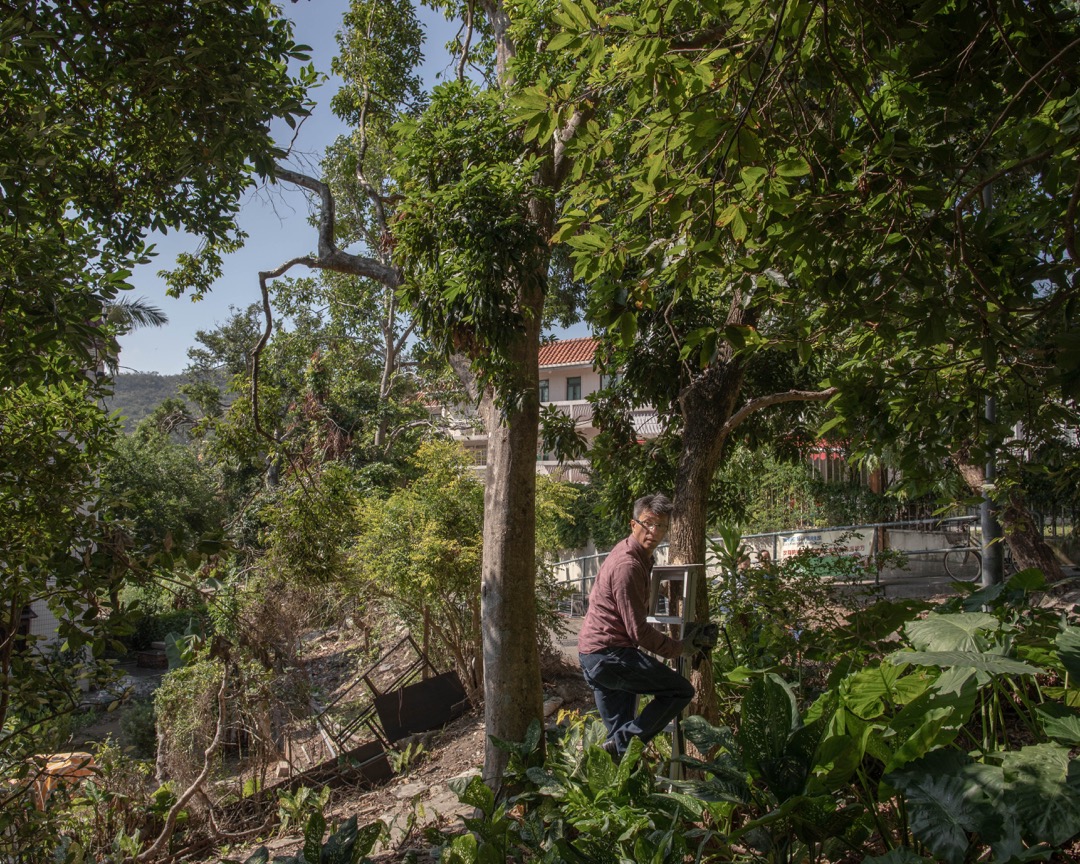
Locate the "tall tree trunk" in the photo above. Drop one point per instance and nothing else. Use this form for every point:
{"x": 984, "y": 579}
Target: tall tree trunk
{"x": 706, "y": 406}
{"x": 1024, "y": 537}
{"x": 512, "y": 685}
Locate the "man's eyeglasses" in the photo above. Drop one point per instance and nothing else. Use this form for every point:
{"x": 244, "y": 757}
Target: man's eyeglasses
{"x": 652, "y": 527}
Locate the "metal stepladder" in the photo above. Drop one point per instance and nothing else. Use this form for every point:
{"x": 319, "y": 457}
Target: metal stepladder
{"x": 677, "y": 606}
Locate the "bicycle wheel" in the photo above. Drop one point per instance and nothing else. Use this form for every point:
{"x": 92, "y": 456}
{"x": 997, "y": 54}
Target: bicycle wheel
{"x": 963, "y": 565}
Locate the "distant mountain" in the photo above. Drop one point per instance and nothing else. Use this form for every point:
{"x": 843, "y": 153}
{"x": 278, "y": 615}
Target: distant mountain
{"x": 137, "y": 394}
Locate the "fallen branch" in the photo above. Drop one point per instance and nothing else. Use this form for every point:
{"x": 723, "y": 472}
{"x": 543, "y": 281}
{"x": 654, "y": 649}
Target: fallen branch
{"x": 196, "y": 786}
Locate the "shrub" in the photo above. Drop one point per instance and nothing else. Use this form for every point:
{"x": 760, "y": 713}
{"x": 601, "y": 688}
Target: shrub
{"x": 137, "y": 725}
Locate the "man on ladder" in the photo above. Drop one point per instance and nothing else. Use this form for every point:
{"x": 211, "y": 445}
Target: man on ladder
{"x": 615, "y": 631}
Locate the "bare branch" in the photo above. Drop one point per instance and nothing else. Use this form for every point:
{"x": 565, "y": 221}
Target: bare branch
{"x": 404, "y": 427}
{"x": 174, "y": 811}
{"x": 563, "y": 137}
{"x": 404, "y": 336}
{"x": 329, "y": 256}
{"x": 465, "y": 45}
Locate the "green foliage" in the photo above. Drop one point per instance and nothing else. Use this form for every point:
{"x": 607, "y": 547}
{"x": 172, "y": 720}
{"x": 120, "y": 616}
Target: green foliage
{"x": 185, "y": 705}
{"x": 298, "y": 807}
{"x": 153, "y": 626}
{"x": 183, "y": 648}
{"x": 577, "y": 806}
{"x": 937, "y": 735}
{"x": 764, "y": 493}
{"x": 805, "y": 592}
{"x": 346, "y": 844}
{"x": 309, "y": 526}
{"x": 126, "y": 118}
{"x": 137, "y": 725}
{"x": 114, "y": 812}
{"x": 403, "y": 761}
{"x": 420, "y": 549}
{"x": 465, "y": 234}
{"x": 168, "y": 495}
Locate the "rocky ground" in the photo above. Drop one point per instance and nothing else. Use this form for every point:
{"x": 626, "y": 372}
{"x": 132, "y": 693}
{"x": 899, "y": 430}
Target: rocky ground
{"x": 419, "y": 797}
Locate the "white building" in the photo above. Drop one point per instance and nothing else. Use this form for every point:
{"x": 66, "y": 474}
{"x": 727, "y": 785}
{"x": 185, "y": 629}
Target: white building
{"x": 567, "y": 380}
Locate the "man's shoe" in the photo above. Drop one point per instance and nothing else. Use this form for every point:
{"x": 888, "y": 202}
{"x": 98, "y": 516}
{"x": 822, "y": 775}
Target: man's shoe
{"x": 612, "y": 750}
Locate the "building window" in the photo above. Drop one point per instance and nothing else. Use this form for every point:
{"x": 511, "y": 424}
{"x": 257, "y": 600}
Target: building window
{"x": 609, "y": 381}
{"x": 573, "y": 389}
{"x": 544, "y": 397}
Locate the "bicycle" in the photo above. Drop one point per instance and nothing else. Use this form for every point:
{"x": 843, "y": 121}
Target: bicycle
{"x": 964, "y": 563}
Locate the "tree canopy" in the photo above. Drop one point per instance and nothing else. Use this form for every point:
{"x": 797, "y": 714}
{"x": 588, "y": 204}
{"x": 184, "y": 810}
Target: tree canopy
{"x": 117, "y": 119}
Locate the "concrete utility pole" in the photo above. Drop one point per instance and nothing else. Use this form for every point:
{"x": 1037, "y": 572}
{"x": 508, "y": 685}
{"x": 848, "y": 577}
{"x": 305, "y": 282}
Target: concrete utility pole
{"x": 992, "y": 571}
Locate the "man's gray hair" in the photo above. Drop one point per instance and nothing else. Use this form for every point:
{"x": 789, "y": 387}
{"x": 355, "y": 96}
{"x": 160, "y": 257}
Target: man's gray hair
{"x": 657, "y": 503}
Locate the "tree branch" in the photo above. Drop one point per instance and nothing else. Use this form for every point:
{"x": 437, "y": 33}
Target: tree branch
{"x": 174, "y": 811}
{"x": 329, "y": 256}
{"x": 563, "y": 137}
{"x": 755, "y": 405}
{"x": 468, "y": 39}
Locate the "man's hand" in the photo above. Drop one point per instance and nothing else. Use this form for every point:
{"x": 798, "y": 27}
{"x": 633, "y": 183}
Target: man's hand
{"x": 702, "y": 635}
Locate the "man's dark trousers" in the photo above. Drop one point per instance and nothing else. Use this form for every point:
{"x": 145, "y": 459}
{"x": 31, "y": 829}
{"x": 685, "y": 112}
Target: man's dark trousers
{"x": 618, "y": 676}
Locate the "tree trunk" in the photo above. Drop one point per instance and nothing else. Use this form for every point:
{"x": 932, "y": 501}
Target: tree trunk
{"x": 512, "y": 685}
{"x": 706, "y": 405}
{"x": 1024, "y": 537}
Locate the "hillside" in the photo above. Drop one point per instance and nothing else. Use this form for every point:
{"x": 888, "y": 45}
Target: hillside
{"x": 136, "y": 394}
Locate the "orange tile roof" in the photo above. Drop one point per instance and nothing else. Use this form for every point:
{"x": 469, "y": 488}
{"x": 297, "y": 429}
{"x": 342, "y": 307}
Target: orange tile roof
{"x": 569, "y": 351}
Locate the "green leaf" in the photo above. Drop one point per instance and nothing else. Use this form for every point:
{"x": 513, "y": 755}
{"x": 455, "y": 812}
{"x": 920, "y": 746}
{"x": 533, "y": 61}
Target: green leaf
{"x": 767, "y": 719}
{"x": 752, "y": 176}
{"x": 704, "y": 736}
{"x": 1043, "y": 788}
{"x": 1059, "y": 723}
{"x": 313, "y": 835}
{"x": 866, "y": 693}
{"x": 738, "y": 227}
{"x": 474, "y": 792}
{"x": 793, "y": 168}
{"x": 993, "y": 664}
{"x": 461, "y": 850}
{"x": 562, "y": 40}
{"x": 941, "y": 811}
{"x": 1068, "y": 645}
{"x": 955, "y": 632}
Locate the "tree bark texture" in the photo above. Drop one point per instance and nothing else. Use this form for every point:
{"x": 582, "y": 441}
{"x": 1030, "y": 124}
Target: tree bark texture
{"x": 1023, "y": 535}
{"x": 707, "y": 403}
{"x": 512, "y": 685}
{"x": 705, "y": 409}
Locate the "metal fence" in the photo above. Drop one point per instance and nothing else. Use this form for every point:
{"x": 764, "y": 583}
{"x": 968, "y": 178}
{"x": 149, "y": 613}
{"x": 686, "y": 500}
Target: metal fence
{"x": 914, "y": 538}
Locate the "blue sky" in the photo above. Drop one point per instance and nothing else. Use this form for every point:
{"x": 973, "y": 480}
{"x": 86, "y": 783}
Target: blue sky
{"x": 275, "y": 219}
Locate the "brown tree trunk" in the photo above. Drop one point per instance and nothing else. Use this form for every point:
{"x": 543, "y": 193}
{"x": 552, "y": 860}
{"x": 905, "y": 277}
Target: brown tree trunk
{"x": 512, "y": 686}
{"x": 706, "y": 405}
{"x": 1024, "y": 537}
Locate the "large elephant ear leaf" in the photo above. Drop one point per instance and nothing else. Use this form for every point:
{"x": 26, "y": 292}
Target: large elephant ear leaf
{"x": 942, "y": 811}
{"x": 1060, "y": 723}
{"x": 1068, "y": 645}
{"x": 950, "y": 796}
{"x": 957, "y": 632}
{"x": 1043, "y": 790}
